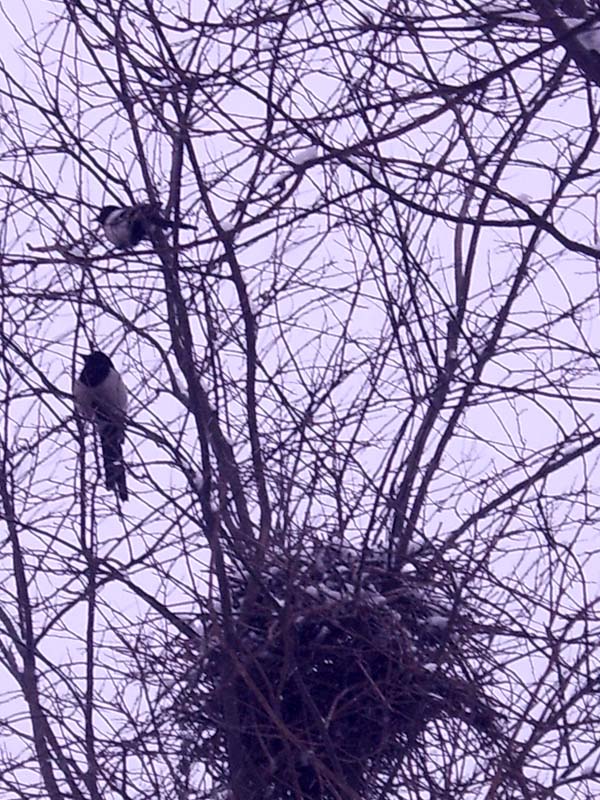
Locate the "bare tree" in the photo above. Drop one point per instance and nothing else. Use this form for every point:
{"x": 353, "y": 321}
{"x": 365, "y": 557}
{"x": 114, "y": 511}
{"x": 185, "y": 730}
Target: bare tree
{"x": 357, "y": 558}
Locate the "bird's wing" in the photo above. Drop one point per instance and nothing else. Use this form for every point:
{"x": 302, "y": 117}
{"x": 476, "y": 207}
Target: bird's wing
{"x": 120, "y": 392}
{"x": 111, "y": 395}
{"x": 84, "y": 401}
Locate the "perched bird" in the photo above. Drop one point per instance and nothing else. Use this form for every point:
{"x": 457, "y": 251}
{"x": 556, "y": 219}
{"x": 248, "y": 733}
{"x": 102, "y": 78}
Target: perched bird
{"x": 101, "y": 396}
{"x": 126, "y": 226}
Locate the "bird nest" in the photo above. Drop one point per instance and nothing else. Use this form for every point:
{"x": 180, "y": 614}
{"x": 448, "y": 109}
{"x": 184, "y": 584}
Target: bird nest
{"x": 330, "y": 676}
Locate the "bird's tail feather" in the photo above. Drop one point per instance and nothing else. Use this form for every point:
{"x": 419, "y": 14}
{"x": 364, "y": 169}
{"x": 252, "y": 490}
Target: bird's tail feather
{"x": 165, "y": 224}
{"x": 150, "y": 214}
{"x": 111, "y": 438}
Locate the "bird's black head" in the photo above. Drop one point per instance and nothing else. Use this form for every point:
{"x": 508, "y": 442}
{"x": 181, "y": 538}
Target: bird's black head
{"x": 105, "y": 212}
{"x": 96, "y": 368}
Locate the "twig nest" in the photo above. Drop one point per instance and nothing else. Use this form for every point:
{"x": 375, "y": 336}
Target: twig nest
{"x": 338, "y": 669}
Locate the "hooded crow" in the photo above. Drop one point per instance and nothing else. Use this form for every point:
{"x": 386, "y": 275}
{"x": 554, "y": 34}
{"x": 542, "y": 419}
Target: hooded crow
{"x": 126, "y": 226}
{"x": 101, "y": 396}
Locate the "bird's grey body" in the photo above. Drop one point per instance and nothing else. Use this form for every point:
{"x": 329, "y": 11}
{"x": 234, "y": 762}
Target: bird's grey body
{"x": 110, "y": 394}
